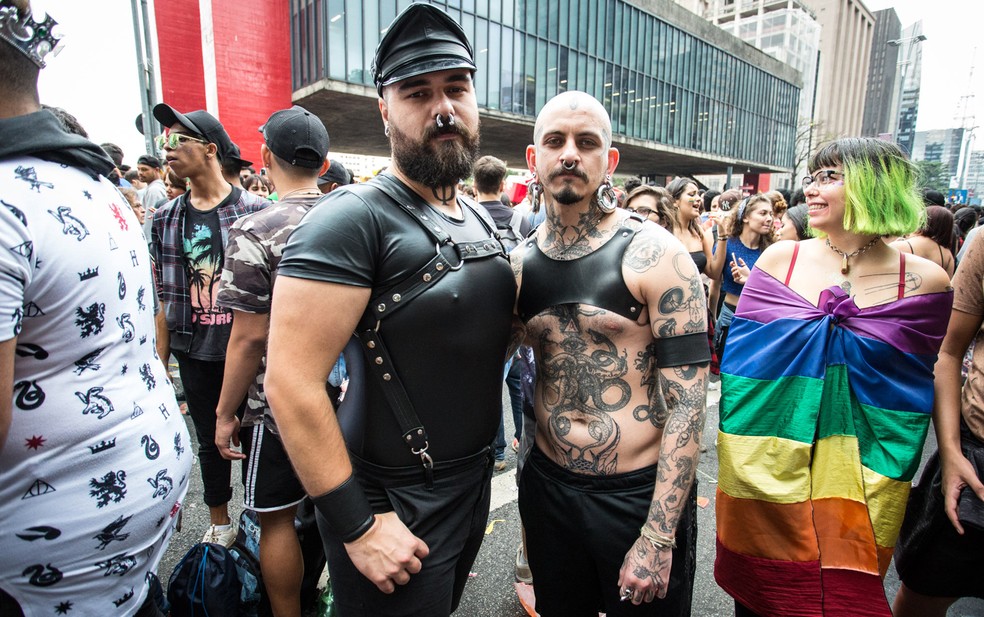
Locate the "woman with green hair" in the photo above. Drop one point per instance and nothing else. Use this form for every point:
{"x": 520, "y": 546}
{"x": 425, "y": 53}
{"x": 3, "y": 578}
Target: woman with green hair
{"x": 826, "y": 394}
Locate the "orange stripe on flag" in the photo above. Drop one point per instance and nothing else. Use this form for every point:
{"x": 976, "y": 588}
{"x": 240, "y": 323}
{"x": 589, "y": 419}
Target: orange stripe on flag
{"x": 846, "y": 538}
{"x": 768, "y": 530}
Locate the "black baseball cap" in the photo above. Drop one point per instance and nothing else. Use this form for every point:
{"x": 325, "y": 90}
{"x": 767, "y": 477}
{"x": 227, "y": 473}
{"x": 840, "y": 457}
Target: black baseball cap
{"x": 297, "y": 136}
{"x": 202, "y": 123}
{"x": 149, "y": 161}
{"x": 422, "y": 39}
{"x": 336, "y": 173}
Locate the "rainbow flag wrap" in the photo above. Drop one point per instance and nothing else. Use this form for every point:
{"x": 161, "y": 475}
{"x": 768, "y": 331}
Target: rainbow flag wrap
{"x": 824, "y": 412}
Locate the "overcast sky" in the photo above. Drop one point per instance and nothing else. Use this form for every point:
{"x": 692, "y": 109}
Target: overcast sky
{"x": 95, "y": 76}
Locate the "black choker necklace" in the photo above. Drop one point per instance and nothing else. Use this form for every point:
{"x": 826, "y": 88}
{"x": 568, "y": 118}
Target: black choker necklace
{"x": 845, "y": 266}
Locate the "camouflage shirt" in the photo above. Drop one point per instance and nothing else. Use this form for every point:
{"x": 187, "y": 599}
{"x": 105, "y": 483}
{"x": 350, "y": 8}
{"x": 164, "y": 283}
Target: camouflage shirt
{"x": 252, "y": 254}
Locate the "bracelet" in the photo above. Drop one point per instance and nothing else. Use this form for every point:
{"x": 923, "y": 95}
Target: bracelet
{"x": 345, "y": 510}
{"x": 657, "y": 541}
{"x": 722, "y": 239}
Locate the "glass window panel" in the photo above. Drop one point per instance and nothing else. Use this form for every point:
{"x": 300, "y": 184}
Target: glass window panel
{"x": 551, "y": 75}
{"x": 353, "y": 40}
{"x": 508, "y": 19}
{"x": 610, "y": 26}
{"x": 370, "y": 30}
{"x": 591, "y": 23}
{"x": 541, "y": 74}
{"x": 553, "y": 24}
{"x": 573, "y": 22}
{"x": 495, "y": 56}
{"x": 336, "y": 39}
{"x": 542, "y": 17}
{"x": 529, "y": 76}
{"x": 481, "y": 7}
{"x": 481, "y": 27}
{"x": 566, "y": 68}
{"x": 562, "y": 17}
{"x": 495, "y": 11}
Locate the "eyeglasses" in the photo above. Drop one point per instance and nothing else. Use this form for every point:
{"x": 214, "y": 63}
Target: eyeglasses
{"x": 643, "y": 211}
{"x": 172, "y": 141}
{"x": 824, "y": 177}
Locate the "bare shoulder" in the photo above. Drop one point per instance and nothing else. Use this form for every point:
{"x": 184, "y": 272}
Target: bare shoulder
{"x": 651, "y": 245}
{"x": 516, "y": 256}
{"x": 932, "y": 277}
{"x": 776, "y": 259}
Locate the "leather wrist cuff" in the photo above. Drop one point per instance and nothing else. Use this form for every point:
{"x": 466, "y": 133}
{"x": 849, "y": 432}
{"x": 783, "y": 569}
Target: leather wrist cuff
{"x": 346, "y": 510}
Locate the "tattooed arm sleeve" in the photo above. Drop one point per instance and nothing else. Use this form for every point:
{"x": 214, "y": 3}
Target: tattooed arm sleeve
{"x": 678, "y": 309}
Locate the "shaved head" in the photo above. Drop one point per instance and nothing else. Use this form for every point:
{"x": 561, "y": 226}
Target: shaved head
{"x": 572, "y": 101}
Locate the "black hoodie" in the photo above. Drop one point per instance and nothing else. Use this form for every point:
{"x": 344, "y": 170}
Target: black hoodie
{"x": 41, "y": 135}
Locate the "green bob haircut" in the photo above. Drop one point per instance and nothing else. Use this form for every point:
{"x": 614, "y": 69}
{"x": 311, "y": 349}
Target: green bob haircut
{"x": 880, "y": 195}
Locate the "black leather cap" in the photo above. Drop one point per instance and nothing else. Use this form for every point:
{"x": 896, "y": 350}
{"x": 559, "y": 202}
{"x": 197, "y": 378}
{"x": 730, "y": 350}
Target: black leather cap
{"x": 422, "y": 39}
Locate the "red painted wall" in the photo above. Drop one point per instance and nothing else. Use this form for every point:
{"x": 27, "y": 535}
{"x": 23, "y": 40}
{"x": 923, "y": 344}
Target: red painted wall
{"x": 252, "y": 63}
{"x": 252, "y": 57}
{"x": 179, "y": 50}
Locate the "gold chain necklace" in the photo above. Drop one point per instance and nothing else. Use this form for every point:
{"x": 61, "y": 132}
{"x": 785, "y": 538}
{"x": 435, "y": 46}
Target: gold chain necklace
{"x": 845, "y": 266}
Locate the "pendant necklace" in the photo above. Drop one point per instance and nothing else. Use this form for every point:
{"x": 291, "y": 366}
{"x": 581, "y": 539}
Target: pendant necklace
{"x": 845, "y": 266}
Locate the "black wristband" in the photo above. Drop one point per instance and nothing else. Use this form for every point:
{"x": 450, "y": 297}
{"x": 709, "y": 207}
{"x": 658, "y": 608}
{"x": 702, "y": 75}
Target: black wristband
{"x": 346, "y": 510}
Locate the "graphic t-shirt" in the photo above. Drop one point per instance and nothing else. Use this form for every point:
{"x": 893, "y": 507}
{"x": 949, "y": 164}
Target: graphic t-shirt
{"x": 204, "y": 253}
{"x": 97, "y": 457}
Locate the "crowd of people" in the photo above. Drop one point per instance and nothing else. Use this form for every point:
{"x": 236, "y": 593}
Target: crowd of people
{"x": 350, "y": 342}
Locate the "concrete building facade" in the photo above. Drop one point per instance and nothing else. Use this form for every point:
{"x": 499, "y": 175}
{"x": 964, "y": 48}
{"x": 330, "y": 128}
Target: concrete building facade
{"x": 882, "y": 92}
{"x": 847, "y": 29}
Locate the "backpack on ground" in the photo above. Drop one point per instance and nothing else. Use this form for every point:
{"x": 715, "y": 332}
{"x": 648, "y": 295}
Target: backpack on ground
{"x": 205, "y": 582}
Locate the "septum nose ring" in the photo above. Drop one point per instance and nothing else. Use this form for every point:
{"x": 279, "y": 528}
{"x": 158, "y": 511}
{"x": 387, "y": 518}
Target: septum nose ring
{"x": 449, "y": 121}
{"x": 568, "y": 165}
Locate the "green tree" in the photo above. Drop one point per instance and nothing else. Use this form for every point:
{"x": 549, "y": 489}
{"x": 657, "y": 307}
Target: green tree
{"x": 932, "y": 175}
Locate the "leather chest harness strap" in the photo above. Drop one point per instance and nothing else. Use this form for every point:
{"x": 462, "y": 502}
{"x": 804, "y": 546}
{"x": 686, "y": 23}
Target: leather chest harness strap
{"x": 450, "y": 256}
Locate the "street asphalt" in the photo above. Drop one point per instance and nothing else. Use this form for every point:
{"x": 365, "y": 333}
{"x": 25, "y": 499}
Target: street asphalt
{"x": 490, "y": 592}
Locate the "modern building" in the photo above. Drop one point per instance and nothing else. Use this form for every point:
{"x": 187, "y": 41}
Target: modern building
{"x": 880, "y": 103}
{"x": 910, "y": 76}
{"x": 975, "y": 177}
{"x": 942, "y": 146}
{"x": 847, "y": 28}
{"x": 684, "y": 96}
{"x": 788, "y": 31}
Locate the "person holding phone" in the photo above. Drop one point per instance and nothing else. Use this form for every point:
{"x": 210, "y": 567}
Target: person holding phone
{"x": 745, "y": 231}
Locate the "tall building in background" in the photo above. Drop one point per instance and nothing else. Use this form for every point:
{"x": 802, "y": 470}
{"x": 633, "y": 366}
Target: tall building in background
{"x": 787, "y": 31}
{"x": 883, "y": 84}
{"x": 910, "y": 76}
{"x": 941, "y": 146}
{"x": 847, "y": 29}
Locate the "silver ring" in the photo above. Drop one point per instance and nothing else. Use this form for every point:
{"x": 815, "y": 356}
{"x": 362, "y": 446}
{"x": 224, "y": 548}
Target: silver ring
{"x": 627, "y": 593}
{"x": 568, "y": 165}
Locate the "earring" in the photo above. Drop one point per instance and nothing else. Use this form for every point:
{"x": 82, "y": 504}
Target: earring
{"x": 606, "y": 197}
{"x": 386, "y": 129}
{"x": 536, "y": 190}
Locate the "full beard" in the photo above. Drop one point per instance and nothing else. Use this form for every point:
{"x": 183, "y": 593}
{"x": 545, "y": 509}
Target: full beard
{"x": 435, "y": 165}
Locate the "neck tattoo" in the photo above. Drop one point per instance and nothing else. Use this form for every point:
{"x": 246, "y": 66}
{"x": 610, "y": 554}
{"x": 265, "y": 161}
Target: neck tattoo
{"x": 845, "y": 265}
{"x": 443, "y": 194}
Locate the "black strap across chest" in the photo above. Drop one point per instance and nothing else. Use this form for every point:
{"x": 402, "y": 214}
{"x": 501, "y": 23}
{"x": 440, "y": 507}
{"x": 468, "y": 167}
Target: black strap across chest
{"x": 594, "y": 279}
{"x": 449, "y": 256}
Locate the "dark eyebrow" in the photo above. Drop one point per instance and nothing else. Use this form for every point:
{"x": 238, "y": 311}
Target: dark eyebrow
{"x": 423, "y": 81}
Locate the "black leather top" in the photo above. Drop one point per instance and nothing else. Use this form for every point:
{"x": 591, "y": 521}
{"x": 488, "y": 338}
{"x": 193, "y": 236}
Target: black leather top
{"x": 594, "y": 280}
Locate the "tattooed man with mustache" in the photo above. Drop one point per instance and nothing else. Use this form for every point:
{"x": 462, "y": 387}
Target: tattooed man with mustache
{"x": 614, "y": 310}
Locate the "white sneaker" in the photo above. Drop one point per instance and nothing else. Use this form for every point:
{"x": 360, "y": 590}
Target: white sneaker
{"x": 225, "y": 537}
{"x": 523, "y": 573}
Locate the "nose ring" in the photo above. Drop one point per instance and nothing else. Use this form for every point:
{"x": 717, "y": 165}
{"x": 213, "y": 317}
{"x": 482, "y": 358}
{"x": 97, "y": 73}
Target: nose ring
{"x": 568, "y": 165}
{"x": 449, "y": 121}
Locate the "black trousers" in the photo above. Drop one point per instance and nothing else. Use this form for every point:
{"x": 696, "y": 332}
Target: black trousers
{"x": 450, "y": 518}
{"x": 202, "y": 382}
{"x": 578, "y": 530}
